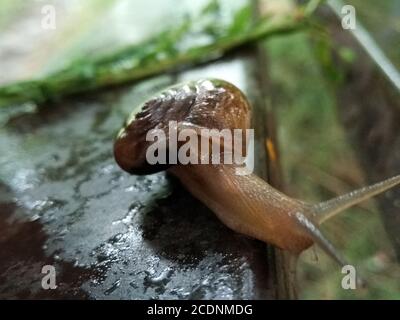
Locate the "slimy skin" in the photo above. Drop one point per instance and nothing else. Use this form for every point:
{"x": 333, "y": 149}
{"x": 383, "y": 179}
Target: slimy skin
{"x": 247, "y": 204}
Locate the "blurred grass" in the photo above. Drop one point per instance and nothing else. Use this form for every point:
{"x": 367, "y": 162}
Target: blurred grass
{"x": 382, "y": 19}
{"x": 170, "y": 49}
{"x": 319, "y": 164}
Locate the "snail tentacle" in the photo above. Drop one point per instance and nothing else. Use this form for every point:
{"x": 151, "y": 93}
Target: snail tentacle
{"x": 328, "y": 209}
{"x": 313, "y": 230}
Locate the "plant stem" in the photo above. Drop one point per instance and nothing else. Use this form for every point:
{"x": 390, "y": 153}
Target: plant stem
{"x": 164, "y": 52}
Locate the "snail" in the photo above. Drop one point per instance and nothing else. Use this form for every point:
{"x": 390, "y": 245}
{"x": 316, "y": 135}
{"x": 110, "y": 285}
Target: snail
{"x": 245, "y": 203}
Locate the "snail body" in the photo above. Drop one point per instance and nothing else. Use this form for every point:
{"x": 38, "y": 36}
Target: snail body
{"x": 245, "y": 203}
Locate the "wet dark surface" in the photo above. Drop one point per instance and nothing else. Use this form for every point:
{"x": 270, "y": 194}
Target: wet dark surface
{"x": 66, "y": 203}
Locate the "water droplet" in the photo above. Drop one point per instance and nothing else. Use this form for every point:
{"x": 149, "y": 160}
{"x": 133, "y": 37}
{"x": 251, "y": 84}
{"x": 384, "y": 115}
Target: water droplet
{"x": 130, "y": 189}
{"x": 34, "y": 217}
{"x": 63, "y": 232}
{"x": 114, "y": 287}
{"x": 163, "y": 278}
